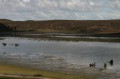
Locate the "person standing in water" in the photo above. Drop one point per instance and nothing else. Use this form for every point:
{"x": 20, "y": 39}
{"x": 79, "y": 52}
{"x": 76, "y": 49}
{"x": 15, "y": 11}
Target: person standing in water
{"x": 105, "y": 66}
{"x": 111, "y": 62}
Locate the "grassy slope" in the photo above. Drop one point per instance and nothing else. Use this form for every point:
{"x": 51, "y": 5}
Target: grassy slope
{"x": 67, "y": 26}
{"x": 9, "y": 69}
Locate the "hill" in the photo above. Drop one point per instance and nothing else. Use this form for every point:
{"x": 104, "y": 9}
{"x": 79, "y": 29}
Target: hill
{"x": 65, "y": 26}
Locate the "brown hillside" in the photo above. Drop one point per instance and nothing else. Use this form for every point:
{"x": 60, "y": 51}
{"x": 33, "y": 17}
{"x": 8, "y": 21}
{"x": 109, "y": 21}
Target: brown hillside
{"x": 69, "y": 26}
{"x": 4, "y": 28}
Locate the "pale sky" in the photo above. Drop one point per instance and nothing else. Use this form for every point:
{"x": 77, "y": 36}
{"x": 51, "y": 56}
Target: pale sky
{"x": 59, "y": 9}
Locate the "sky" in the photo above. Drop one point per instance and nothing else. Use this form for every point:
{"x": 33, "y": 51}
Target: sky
{"x": 59, "y": 9}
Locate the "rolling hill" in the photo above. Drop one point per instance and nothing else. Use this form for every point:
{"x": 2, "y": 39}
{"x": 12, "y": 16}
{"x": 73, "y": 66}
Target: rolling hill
{"x": 64, "y": 26}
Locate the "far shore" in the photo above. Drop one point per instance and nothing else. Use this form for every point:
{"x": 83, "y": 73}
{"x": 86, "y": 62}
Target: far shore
{"x": 64, "y": 36}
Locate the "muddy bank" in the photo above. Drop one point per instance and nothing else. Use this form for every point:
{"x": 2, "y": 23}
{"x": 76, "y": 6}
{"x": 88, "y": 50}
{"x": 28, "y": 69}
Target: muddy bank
{"x": 16, "y": 71}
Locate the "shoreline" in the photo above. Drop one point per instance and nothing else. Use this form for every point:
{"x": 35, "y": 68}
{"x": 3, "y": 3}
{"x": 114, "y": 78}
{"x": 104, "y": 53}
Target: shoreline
{"x": 17, "y": 71}
{"x": 62, "y": 37}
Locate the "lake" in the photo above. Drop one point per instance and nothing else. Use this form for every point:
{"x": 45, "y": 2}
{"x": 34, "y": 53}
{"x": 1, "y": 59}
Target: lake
{"x": 56, "y": 55}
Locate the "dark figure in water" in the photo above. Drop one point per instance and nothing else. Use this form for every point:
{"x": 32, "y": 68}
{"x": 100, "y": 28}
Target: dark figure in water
{"x": 4, "y": 44}
{"x": 16, "y": 44}
{"x": 92, "y": 65}
{"x": 105, "y": 66}
{"x": 4, "y": 52}
{"x": 111, "y": 62}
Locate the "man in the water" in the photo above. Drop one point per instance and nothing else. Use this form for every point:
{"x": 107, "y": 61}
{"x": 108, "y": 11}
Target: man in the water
{"x": 111, "y": 62}
{"x": 105, "y": 65}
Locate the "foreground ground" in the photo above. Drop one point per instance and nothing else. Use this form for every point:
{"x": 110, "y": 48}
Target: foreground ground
{"x": 15, "y": 72}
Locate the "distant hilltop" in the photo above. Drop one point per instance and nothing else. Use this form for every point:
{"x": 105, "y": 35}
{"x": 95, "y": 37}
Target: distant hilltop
{"x": 64, "y": 26}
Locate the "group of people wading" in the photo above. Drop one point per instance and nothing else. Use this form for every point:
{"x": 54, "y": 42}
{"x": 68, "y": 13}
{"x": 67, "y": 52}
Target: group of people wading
{"x": 93, "y": 65}
{"x": 110, "y": 62}
{"x": 5, "y": 44}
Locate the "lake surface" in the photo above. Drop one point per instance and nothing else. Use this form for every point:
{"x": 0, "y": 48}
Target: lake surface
{"x": 56, "y": 55}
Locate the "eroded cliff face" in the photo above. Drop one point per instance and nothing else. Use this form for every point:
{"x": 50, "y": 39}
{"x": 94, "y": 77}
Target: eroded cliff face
{"x": 67, "y": 26}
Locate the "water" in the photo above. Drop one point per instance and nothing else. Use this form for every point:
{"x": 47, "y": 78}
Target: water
{"x": 55, "y": 55}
